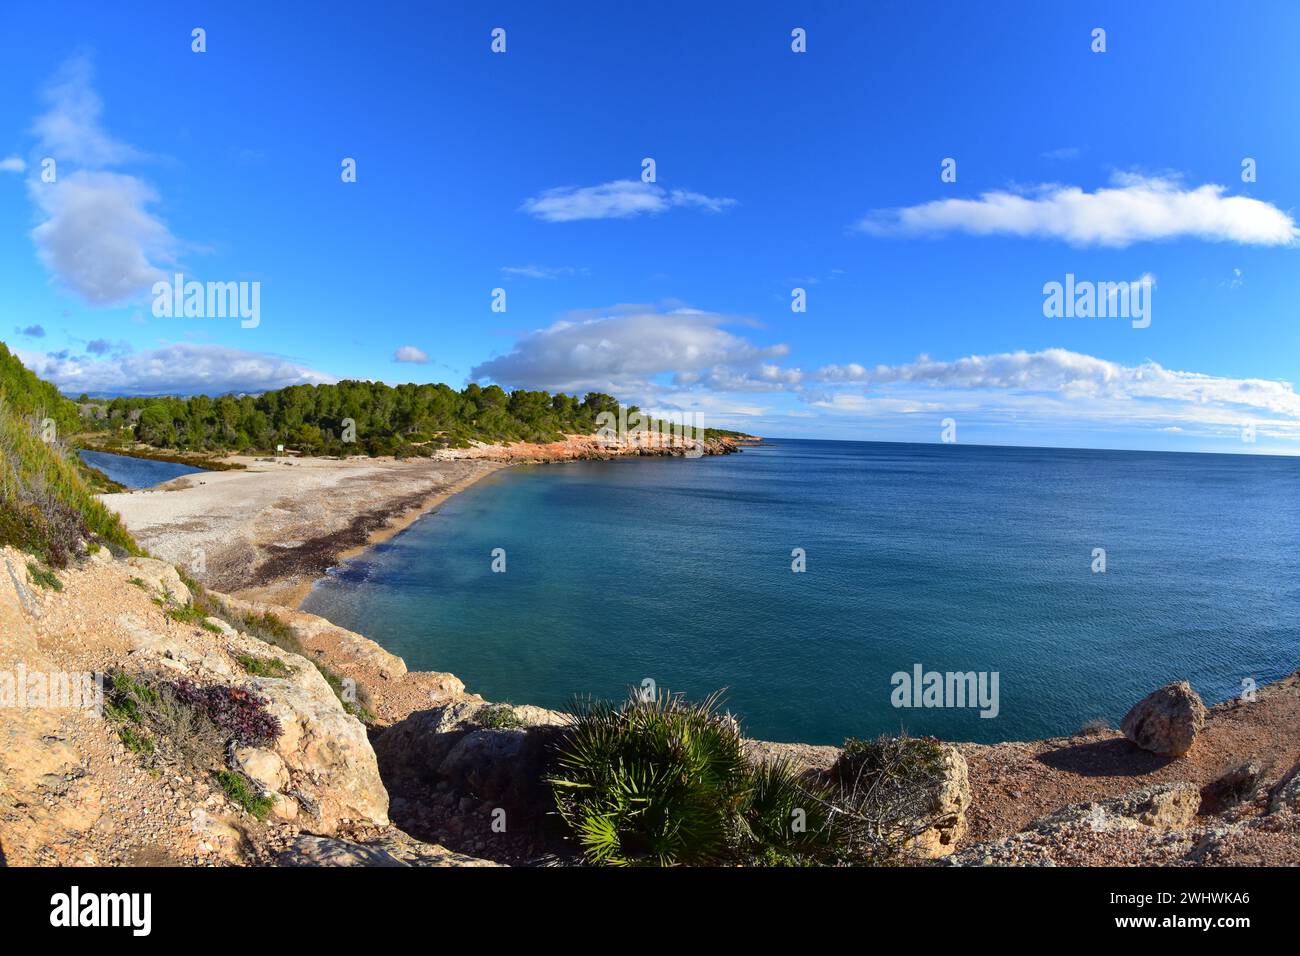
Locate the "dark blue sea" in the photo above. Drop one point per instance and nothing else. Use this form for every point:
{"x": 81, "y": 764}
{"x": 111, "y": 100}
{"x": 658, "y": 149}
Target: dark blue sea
{"x": 957, "y": 558}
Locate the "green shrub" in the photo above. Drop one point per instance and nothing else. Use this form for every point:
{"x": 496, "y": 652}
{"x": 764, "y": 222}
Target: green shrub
{"x": 667, "y": 782}
{"x": 357, "y": 703}
{"x": 655, "y": 782}
{"x": 44, "y": 577}
{"x": 241, "y": 790}
{"x": 187, "y": 614}
{"x": 135, "y": 740}
{"x": 263, "y": 666}
{"x": 269, "y": 628}
{"x": 498, "y": 717}
{"x": 787, "y": 816}
{"x": 884, "y": 791}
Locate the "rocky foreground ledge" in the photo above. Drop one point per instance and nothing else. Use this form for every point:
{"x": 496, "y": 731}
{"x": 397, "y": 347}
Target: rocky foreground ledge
{"x": 437, "y": 776}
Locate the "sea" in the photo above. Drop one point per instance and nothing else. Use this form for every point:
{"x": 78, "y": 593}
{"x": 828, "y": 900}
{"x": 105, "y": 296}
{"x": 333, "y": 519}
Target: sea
{"x": 829, "y": 589}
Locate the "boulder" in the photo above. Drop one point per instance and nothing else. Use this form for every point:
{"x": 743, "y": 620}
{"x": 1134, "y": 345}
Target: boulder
{"x": 323, "y": 851}
{"x": 950, "y": 799}
{"x": 460, "y": 745}
{"x": 411, "y": 750}
{"x": 1169, "y": 806}
{"x": 324, "y": 749}
{"x": 216, "y": 837}
{"x": 1166, "y": 721}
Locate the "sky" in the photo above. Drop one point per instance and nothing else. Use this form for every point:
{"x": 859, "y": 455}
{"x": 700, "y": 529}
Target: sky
{"x": 921, "y": 171}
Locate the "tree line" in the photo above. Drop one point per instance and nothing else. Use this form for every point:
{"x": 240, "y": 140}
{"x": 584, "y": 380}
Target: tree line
{"x": 350, "y": 417}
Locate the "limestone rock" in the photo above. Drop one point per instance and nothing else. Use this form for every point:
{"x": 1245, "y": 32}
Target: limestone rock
{"x": 1286, "y": 795}
{"x": 216, "y": 837}
{"x": 950, "y": 800}
{"x": 451, "y": 744}
{"x": 263, "y": 767}
{"x": 310, "y": 850}
{"x": 398, "y": 849}
{"x": 285, "y": 809}
{"x": 173, "y": 652}
{"x": 313, "y": 630}
{"x": 1166, "y": 721}
{"x": 216, "y": 622}
{"x": 324, "y": 748}
{"x": 1170, "y": 806}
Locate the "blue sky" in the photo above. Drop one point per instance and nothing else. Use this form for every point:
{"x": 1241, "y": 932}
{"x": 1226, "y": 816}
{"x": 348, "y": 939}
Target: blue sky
{"x": 775, "y": 170}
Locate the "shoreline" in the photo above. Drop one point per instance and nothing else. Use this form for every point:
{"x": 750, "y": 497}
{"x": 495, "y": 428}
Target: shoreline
{"x": 293, "y": 597}
{"x": 268, "y": 529}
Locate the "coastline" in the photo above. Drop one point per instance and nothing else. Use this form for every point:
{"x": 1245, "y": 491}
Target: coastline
{"x": 282, "y": 523}
{"x": 294, "y": 595}
{"x": 268, "y": 529}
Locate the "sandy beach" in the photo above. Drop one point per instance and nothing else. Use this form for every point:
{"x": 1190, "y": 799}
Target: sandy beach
{"x": 268, "y": 532}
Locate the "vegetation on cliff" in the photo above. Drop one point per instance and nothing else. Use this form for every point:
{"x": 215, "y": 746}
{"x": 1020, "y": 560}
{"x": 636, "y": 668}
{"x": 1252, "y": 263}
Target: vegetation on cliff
{"x": 47, "y": 504}
{"x": 664, "y": 782}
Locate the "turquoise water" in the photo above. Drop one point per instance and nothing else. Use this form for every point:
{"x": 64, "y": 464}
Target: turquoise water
{"x": 135, "y": 472}
{"x": 958, "y": 558}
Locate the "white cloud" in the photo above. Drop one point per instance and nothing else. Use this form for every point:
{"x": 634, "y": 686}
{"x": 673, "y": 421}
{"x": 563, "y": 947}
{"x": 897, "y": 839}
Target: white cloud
{"x": 621, "y": 199}
{"x": 1134, "y": 209}
{"x": 180, "y": 369}
{"x": 625, "y": 353}
{"x": 541, "y": 272}
{"x": 12, "y": 164}
{"x": 1064, "y": 385}
{"x": 409, "y": 353}
{"x": 71, "y": 130}
{"x": 97, "y": 235}
{"x": 687, "y": 359}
